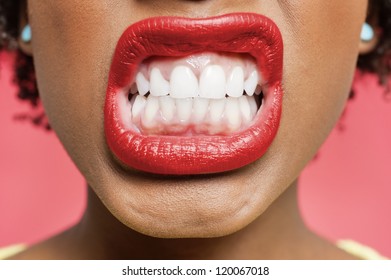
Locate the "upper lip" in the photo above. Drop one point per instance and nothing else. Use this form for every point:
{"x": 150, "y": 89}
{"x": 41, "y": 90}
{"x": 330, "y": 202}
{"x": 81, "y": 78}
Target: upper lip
{"x": 248, "y": 33}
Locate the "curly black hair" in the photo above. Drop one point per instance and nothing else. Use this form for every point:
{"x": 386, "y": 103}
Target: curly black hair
{"x": 24, "y": 74}
{"x": 378, "y": 61}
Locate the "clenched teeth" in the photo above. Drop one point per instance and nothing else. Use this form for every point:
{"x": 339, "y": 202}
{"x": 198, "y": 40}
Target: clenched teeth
{"x": 212, "y": 84}
{"x": 169, "y": 115}
{"x": 194, "y": 98}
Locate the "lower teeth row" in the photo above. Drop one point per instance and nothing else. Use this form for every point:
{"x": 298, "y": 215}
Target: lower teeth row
{"x": 167, "y": 115}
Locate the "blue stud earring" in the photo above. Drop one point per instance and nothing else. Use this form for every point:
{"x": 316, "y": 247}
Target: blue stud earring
{"x": 367, "y": 33}
{"x": 26, "y": 34}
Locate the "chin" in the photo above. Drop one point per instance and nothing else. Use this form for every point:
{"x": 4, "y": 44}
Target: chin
{"x": 198, "y": 208}
{"x": 188, "y": 227}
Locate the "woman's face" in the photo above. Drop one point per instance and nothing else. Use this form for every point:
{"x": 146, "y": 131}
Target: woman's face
{"x": 73, "y": 46}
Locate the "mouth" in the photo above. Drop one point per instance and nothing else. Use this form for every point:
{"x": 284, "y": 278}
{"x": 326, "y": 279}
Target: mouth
{"x": 194, "y": 96}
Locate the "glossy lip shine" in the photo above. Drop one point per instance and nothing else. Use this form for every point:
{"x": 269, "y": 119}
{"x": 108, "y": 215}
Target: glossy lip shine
{"x": 248, "y": 33}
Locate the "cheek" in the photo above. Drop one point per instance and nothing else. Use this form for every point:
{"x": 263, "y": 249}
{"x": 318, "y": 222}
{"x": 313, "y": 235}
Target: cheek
{"x": 322, "y": 45}
{"x": 321, "y": 49}
{"x": 73, "y": 45}
{"x": 324, "y": 40}
{"x": 321, "y": 41}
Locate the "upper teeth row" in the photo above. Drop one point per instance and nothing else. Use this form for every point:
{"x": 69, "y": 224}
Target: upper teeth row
{"x": 213, "y": 83}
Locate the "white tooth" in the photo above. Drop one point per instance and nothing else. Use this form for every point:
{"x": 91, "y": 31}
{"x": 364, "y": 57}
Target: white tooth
{"x": 159, "y": 86}
{"x": 212, "y": 82}
{"x": 216, "y": 109}
{"x": 151, "y": 109}
{"x": 235, "y": 82}
{"x": 167, "y": 107}
{"x": 253, "y": 105}
{"x": 232, "y": 113}
{"x": 138, "y": 105}
{"x": 184, "y": 109}
{"x": 200, "y": 108}
{"x": 183, "y": 83}
{"x": 142, "y": 84}
{"x": 258, "y": 90}
{"x": 133, "y": 89}
{"x": 125, "y": 108}
{"x": 251, "y": 83}
{"x": 245, "y": 108}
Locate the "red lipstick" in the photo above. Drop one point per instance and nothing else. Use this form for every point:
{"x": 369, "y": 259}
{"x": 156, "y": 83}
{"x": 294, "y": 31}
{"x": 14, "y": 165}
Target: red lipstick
{"x": 246, "y": 33}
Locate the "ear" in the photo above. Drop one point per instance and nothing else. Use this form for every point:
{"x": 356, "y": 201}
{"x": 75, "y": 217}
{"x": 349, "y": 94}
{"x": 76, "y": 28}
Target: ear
{"x": 24, "y": 45}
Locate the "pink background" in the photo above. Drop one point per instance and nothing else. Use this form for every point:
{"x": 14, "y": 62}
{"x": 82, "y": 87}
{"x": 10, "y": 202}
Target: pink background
{"x": 344, "y": 193}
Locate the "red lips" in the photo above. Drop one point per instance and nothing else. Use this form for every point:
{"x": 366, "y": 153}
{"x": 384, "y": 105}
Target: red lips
{"x": 175, "y": 36}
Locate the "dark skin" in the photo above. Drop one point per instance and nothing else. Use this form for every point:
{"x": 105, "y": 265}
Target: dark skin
{"x": 279, "y": 236}
{"x": 250, "y": 213}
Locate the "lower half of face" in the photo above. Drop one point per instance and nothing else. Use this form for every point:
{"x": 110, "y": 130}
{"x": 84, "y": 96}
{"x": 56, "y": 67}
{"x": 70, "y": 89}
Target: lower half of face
{"x": 175, "y": 124}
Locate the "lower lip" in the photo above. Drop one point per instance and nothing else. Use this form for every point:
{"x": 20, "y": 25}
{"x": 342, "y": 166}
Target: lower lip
{"x": 202, "y": 154}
